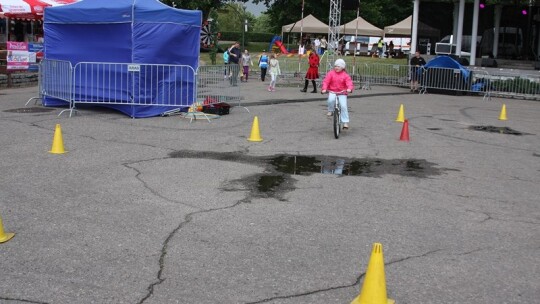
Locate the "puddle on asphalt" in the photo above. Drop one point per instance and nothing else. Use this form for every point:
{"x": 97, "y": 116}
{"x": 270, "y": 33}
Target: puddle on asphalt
{"x": 30, "y": 110}
{"x": 280, "y": 169}
{"x": 501, "y": 130}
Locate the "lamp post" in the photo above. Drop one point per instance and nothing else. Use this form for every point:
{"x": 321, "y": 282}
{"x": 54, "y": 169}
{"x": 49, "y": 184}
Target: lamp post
{"x": 244, "y": 31}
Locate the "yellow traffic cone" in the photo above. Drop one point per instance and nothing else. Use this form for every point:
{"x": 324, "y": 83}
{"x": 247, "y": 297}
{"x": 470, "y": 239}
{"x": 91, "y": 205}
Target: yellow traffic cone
{"x": 255, "y": 135}
{"x": 4, "y": 237}
{"x": 374, "y": 288}
{"x": 401, "y": 114}
{"x": 503, "y": 113}
{"x": 58, "y": 142}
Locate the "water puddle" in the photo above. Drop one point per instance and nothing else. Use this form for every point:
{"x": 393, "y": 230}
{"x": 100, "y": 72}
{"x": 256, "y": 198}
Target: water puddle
{"x": 501, "y": 130}
{"x": 280, "y": 169}
{"x": 305, "y": 165}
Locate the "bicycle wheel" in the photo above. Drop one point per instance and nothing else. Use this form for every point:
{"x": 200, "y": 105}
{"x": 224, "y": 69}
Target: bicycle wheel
{"x": 337, "y": 122}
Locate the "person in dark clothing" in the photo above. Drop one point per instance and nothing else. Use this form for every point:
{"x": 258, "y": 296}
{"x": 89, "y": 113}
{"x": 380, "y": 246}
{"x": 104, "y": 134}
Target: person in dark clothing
{"x": 234, "y": 62}
{"x": 416, "y": 64}
{"x": 18, "y": 31}
{"x": 263, "y": 64}
{"x": 312, "y": 72}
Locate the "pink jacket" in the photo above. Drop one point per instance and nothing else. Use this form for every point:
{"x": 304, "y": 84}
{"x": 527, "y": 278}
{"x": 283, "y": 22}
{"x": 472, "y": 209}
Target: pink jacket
{"x": 337, "y": 82}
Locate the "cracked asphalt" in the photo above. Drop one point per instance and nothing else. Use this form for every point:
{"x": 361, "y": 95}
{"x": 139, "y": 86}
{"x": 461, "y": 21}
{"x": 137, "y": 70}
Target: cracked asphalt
{"x": 161, "y": 210}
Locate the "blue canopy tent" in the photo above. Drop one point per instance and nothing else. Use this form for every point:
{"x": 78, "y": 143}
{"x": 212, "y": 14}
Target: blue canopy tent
{"x": 127, "y": 32}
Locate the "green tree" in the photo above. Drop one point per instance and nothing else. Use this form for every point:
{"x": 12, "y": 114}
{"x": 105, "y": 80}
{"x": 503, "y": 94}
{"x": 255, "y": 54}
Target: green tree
{"x": 206, "y": 6}
{"x": 231, "y": 17}
{"x": 262, "y": 24}
{"x": 377, "y": 12}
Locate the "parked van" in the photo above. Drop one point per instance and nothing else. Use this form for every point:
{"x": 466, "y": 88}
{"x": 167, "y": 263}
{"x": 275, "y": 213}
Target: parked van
{"x": 361, "y": 42}
{"x": 448, "y": 45}
{"x": 510, "y": 42}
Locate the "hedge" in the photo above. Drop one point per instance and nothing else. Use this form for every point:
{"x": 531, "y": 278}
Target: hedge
{"x": 249, "y": 36}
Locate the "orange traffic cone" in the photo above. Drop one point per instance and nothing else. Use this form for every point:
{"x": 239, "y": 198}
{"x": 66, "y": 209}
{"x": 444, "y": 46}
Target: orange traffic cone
{"x": 503, "y": 113}
{"x": 58, "y": 142}
{"x": 405, "y": 131}
{"x": 374, "y": 288}
{"x": 255, "y": 134}
{"x": 401, "y": 114}
{"x": 4, "y": 237}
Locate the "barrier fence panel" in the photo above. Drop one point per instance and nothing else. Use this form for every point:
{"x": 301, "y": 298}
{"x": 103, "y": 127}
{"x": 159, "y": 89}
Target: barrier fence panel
{"x": 55, "y": 80}
{"x": 381, "y": 74}
{"x": 437, "y": 79}
{"x": 214, "y": 85}
{"x": 293, "y": 70}
{"x": 134, "y": 84}
{"x": 509, "y": 84}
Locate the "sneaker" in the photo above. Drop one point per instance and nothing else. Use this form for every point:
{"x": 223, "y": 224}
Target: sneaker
{"x": 329, "y": 114}
{"x": 273, "y": 89}
{"x": 269, "y": 89}
{"x": 345, "y": 126}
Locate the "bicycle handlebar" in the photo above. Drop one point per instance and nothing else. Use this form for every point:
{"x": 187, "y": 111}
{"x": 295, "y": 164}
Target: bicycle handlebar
{"x": 337, "y": 93}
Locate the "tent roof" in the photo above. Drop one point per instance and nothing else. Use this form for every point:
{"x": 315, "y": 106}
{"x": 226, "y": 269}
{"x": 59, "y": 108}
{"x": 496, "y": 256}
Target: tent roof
{"x": 28, "y": 9}
{"x": 309, "y": 24}
{"x": 120, "y": 11}
{"x": 364, "y": 28}
{"x": 403, "y": 28}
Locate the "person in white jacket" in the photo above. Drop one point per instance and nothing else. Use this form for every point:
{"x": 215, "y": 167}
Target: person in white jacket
{"x": 274, "y": 72}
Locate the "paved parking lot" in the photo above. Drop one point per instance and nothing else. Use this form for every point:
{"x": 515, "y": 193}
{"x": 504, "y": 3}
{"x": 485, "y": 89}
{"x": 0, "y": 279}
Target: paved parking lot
{"x": 161, "y": 210}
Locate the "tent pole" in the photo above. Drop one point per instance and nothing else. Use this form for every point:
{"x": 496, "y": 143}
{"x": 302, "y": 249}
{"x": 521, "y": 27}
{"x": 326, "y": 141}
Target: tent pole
{"x": 355, "y": 35}
{"x": 301, "y": 30}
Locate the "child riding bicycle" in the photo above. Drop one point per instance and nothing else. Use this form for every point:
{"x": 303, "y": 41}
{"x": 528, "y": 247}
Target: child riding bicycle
{"x": 338, "y": 83}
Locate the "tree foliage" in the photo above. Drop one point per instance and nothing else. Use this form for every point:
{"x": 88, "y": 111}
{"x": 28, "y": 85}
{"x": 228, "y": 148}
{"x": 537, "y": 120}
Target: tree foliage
{"x": 206, "y": 6}
{"x": 377, "y": 12}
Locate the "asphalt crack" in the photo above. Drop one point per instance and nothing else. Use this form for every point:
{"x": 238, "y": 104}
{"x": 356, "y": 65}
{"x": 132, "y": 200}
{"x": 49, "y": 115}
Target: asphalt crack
{"x": 22, "y": 300}
{"x": 187, "y": 219}
{"x": 356, "y": 282}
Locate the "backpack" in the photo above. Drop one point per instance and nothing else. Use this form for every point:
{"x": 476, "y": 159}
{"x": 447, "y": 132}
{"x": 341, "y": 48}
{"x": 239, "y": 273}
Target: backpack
{"x": 226, "y": 56}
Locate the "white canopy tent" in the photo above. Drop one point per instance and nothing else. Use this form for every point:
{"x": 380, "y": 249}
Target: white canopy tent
{"x": 404, "y": 28}
{"x": 360, "y": 27}
{"x": 309, "y": 24}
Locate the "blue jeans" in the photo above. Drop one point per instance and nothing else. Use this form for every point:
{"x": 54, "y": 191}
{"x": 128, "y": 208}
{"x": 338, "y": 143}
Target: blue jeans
{"x": 342, "y": 102}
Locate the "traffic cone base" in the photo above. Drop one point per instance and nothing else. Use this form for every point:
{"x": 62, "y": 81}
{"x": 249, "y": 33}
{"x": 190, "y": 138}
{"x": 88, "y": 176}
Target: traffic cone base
{"x": 374, "y": 287}
{"x": 502, "y": 116}
{"x": 255, "y": 134}
{"x": 4, "y": 237}
{"x": 405, "y": 131}
{"x": 401, "y": 114}
{"x": 58, "y": 142}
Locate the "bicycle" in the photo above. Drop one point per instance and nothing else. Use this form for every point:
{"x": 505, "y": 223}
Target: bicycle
{"x": 337, "y": 123}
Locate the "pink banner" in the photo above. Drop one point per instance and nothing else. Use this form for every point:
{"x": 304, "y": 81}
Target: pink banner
{"x": 18, "y": 57}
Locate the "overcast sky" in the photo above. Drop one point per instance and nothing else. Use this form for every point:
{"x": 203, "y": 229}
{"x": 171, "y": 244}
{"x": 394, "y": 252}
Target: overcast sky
{"x": 255, "y": 9}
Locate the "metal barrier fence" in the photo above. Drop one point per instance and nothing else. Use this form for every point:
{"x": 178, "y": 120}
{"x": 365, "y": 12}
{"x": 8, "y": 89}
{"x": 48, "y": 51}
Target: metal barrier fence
{"x": 215, "y": 85}
{"x": 133, "y": 84}
{"x": 434, "y": 79}
{"x": 180, "y": 86}
{"x": 381, "y": 74}
{"x": 54, "y": 80}
{"x": 508, "y": 84}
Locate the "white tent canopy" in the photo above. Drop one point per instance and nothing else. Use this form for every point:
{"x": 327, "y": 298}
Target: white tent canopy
{"x": 403, "y": 28}
{"x": 364, "y": 28}
{"x": 309, "y": 24}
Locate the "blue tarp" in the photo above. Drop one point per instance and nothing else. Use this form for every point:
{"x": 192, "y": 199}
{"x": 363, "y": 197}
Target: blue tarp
{"x": 447, "y": 62}
{"x": 125, "y": 31}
